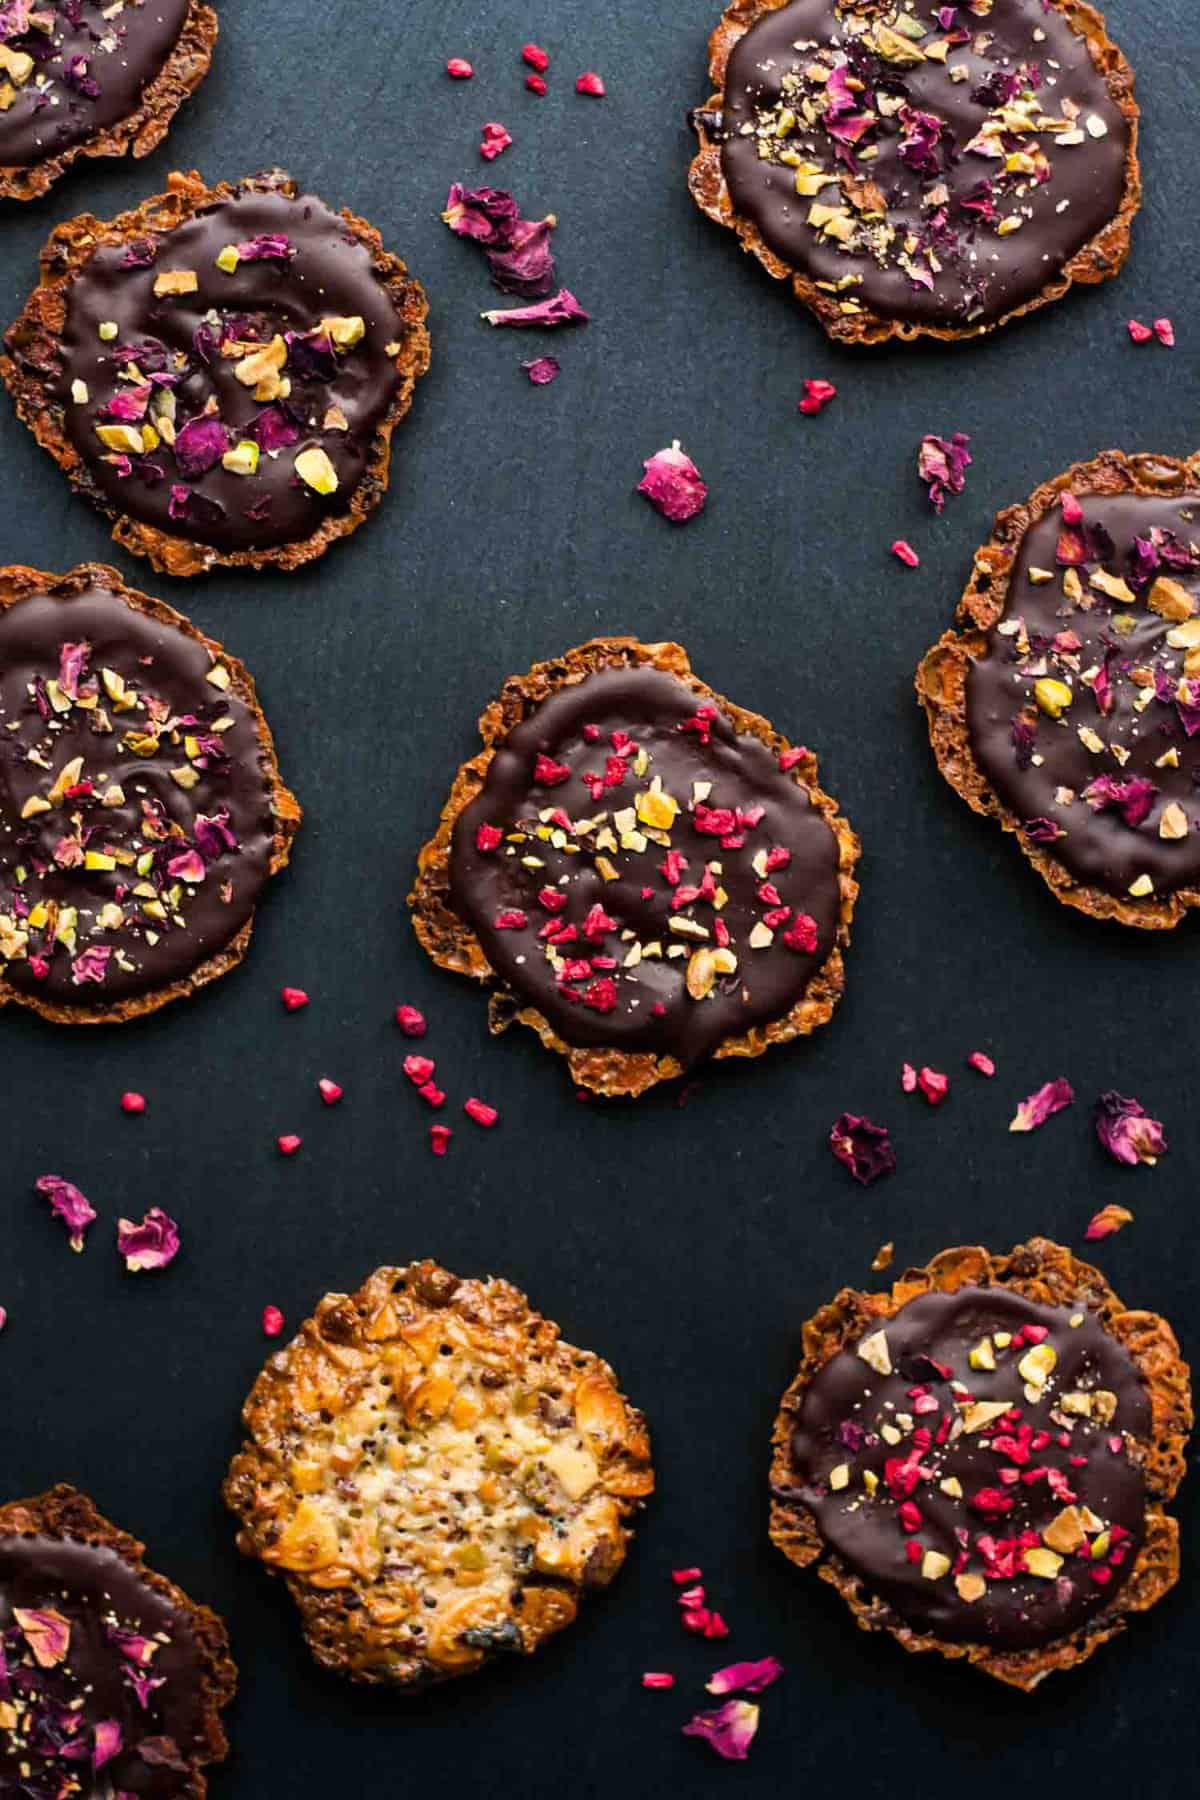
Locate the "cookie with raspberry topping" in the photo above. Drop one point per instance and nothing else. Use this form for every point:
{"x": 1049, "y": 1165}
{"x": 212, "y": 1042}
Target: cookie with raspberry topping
{"x": 111, "y": 1680}
{"x": 93, "y": 78}
{"x": 142, "y": 811}
{"x": 920, "y": 170}
{"x": 1066, "y": 705}
{"x": 220, "y": 370}
{"x": 440, "y": 1479}
{"x": 980, "y": 1460}
{"x": 642, "y": 872}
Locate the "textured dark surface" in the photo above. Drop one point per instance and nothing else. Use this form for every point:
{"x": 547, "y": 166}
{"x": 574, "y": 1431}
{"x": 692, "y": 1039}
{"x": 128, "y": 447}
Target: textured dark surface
{"x": 686, "y": 1245}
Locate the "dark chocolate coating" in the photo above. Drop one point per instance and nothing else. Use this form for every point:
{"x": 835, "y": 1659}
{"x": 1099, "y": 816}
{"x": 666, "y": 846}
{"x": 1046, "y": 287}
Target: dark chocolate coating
{"x": 92, "y": 1587}
{"x": 57, "y": 107}
{"x": 650, "y": 705}
{"x": 983, "y": 276}
{"x": 331, "y": 275}
{"x": 1099, "y": 847}
{"x": 848, "y": 1398}
{"x": 159, "y": 660}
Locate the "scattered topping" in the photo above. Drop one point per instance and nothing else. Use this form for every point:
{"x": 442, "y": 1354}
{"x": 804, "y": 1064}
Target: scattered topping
{"x": 480, "y": 1111}
{"x": 517, "y": 250}
{"x": 817, "y": 395}
{"x": 1127, "y": 1132}
{"x": 1164, "y": 331}
{"x": 1050, "y": 1098}
{"x": 942, "y": 464}
{"x": 1141, "y": 334}
{"x": 745, "y": 1677}
{"x": 1109, "y": 1220}
{"x": 560, "y": 309}
{"x": 47, "y": 1634}
{"x": 654, "y": 1678}
{"x": 133, "y": 1103}
{"x": 933, "y": 1085}
{"x": 495, "y": 140}
{"x": 883, "y": 1256}
{"x": 729, "y": 1730}
{"x": 411, "y": 1021}
{"x": 907, "y": 555}
{"x": 439, "y": 1139}
{"x": 459, "y": 69}
{"x": 590, "y": 83}
{"x": 154, "y": 1244}
{"x": 67, "y": 1204}
{"x": 272, "y": 1321}
{"x": 329, "y": 1091}
{"x": 543, "y": 370}
{"x": 289, "y": 1144}
{"x": 673, "y": 484}
{"x": 980, "y": 1060}
{"x": 293, "y": 998}
{"x": 865, "y": 1148}
{"x": 536, "y": 57}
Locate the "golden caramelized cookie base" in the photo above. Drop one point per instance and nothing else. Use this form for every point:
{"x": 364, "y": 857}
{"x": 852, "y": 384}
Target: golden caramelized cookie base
{"x": 992, "y": 598}
{"x": 1045, "y": 1276}
{"x": 790, "y": 907}
{"x": 118, "y": 1658}
{"x": 832, "y": 285}
{"x": 437, "y": 1475}
{"x": 256, "y": 488}
{"x": 126, "y": 615}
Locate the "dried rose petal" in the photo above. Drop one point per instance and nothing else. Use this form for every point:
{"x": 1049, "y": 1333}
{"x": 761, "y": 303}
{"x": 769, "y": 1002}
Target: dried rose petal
{"x": 729, "y": 1730}
{"x": 411, "y": 1021}
{"x": 3, "y": 1317}
{"x": 942, "y": 464}
{"x": 1107, "y": 1221}
{"x": 495, "y": 140}
{"x": 154, "y": 1244}
{"x": 1050, "y": 1098}
{"x": 590, "y": 83}
{"x": 904, "y": 550}
{"x": 865, "y": 1148}
{"x": 1127, "y": 1132}
{"x": 67, "y": 1204}
{"x": 817, "y": 395}
{"x": 543, "y": 370}
{"x": 199, "y": 446}
{"x": 329, "y": 1091}
{"x": 107, "y": 1742}
{"x": 46, "y": 1632}
{"x": 1133, "y": 799}
{"x": 524, "y": 265}
{"x": 979, "y": 1059}
{"x": 293, "y": 998}
{"x": 489, "y": 215}
{"x": 560, "y": 309}
{"x": 133, "y": 1103}
{"x": 746, "y": 1677}
{"x": 272, "y": 1321}
{"x": 459, "y": 69}
{"x": 289, "y": 1143}
{"x": 673, "y": 484}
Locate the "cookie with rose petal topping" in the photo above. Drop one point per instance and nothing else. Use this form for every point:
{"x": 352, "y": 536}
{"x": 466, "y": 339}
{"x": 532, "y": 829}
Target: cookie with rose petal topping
{"x": 980, "y": 1460}
{"x": 107, "y": 1669}
{"x": 919, "y": 170}
{"x": 93, "y": 78}
{"x": 220, "y": 370}
{"x": 641, "y": 871}
{"x": 1067, "y": 704}
{"x": 142, "y": 811}
{"x": 437, "y": 1475}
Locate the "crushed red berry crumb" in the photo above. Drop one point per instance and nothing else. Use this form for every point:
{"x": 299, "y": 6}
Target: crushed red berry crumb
{"x": 1141, "y": 334}
{"x": 480, "y": 1111}
{"x": 432, "y": 1094}
{"x": 536, "y": 85}
{"x": 979, "y": 1059}
{"x": 411, "y": 1021}
{"x": 904, "y": 550}
{"x": 656, "y": 1678}
{"x": 459, "y": 68}
{"x": 536, "y": 57}
{"x": 272, "y": 1321}
{"x": 816, "y": 397}
{"x": 1164, "y": 331}
{"x": 330, "y": 1092}
{"x": 591, "y": 83}
{"x": 495, "y": 140}
{"x": 419, "y": 1069}
{"x": 133, "y": 1103}
{"x": 439, "y": 1139}
{"x": 289, "y": 1143}
{"x": 933, "y": 1084}
{"x": 293, "y": 998}
{"x": 685, "y": 1577}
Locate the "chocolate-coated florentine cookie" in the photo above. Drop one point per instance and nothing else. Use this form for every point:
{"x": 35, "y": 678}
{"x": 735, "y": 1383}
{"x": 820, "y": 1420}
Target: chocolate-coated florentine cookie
{"x": 1068, "y": 703}
{"x": 980, "y": 1459}
{"x": 93, "y": 78}
{"x": 112, "y": 1682}
{"x": 437, "y": 1475}
{"x": 643, "y": 872}
{"x": 141, "y": 806}
{"x": 915, "y": 169}
{"x": 220, "y": 371}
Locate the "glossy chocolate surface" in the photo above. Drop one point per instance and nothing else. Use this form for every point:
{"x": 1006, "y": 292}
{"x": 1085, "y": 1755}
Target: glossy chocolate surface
{"x": 88, "y": 71}
{"x": 1057, "y": 1445}
{"x": 174, "y": 802}
{"x": 585, "y": 955}
{"x": 935, "y": 222}
{"x": 49, "y": 1715}
{"x": 173, "y": 351}
{"x": 1112, "y": 785}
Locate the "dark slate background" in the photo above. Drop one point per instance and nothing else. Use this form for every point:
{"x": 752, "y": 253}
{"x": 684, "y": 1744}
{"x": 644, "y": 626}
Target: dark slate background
{"x": 687, "y": 1244}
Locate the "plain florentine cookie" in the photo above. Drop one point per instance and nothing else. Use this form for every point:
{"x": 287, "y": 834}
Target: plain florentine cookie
{"x": 437, "y": 1475}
